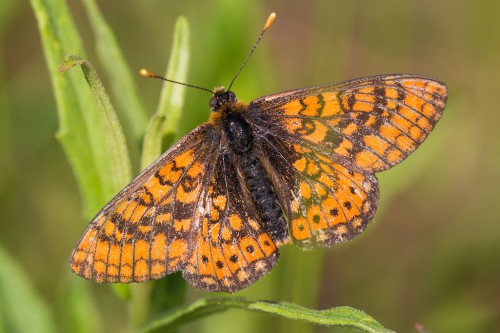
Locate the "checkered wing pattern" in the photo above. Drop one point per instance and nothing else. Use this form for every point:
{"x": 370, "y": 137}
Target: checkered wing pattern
{"x": 373, "y": 122}
{"x": 232, "y": 250}
{"x": 329, "y": 141}
{"x": 146, "y": 231}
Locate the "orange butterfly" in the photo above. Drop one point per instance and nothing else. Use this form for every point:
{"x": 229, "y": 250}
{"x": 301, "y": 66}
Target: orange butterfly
{"x": 294, "y": 166}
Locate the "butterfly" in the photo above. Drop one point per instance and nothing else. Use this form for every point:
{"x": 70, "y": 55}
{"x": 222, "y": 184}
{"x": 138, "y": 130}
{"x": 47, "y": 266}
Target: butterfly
{"x": 297, "y": 166}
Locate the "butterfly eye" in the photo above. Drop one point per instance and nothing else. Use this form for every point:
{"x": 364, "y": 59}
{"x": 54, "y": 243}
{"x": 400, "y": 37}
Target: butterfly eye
{"x": 231, "y": 95}
{"x": 214, "y": 103}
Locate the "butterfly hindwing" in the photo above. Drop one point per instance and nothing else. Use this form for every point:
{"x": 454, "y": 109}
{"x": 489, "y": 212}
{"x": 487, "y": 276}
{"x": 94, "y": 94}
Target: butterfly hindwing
{"x": 145, "y": 232}
{"x": 327, "y": 202}
{"x": 232, "y": 250}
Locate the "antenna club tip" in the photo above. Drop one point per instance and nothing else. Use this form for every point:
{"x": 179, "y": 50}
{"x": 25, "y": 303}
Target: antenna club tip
{"x": 145, "y": 72}
{"x": 270, "y": 20}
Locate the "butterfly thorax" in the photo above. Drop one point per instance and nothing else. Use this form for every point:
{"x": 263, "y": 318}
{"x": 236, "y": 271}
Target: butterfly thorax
{"x": 227, "y": 115}
{"x": 238, "y": 133}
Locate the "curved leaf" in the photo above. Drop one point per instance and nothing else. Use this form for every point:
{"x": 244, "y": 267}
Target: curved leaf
{"x": 113, "y": 133}
{"x": 345, "y": 317}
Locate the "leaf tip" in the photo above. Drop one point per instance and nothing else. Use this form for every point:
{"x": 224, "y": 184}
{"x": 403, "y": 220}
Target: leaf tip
{"x": 70, "y": 61}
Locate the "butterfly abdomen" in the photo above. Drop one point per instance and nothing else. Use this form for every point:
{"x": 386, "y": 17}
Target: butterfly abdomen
{"x": 264, "y": 196}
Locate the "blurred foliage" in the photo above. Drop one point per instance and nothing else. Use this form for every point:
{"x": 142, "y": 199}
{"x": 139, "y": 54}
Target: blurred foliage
{"x": 19, "y": 299}
{"x": 432, "y": 254}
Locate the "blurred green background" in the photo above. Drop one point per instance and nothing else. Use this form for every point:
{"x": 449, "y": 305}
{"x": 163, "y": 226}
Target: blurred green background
{"x": 432, "y": 255}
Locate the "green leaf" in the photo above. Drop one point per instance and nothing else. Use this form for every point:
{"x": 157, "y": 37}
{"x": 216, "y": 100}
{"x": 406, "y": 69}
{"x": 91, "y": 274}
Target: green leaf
{"x": 164, "y": 124}
{"x": 75, "y": 105}
{"x": 122, "y": 83}
{"x": 345, "y": 317}
{"x": 21, "y": 309}
{"x": 115, "y": 139}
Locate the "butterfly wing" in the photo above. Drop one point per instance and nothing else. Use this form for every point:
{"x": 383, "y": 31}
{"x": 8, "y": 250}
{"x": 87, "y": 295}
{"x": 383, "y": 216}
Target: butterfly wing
{"x": 146, "y": 231}
{"x": 232, "y": 250}
{"x": 374, "y": 122}
{"x": 327, "y": 143}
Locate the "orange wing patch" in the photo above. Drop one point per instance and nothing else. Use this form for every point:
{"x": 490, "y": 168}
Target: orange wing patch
{"x": 145, "y": 231}
{"x": 232, "y": 250}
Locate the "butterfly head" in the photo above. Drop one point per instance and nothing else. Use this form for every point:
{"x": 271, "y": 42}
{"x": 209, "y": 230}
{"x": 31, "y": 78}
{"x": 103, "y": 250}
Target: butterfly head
{"x": 222, "y": 99}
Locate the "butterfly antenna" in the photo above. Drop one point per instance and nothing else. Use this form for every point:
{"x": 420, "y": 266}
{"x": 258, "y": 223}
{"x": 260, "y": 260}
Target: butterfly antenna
{"x": 269, "y": 22}
{"x": 146, "y": 73}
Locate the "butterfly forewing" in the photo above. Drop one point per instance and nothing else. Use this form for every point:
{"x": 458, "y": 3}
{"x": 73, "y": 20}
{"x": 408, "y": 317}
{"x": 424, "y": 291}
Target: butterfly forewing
{"x": 146, "y": 231}
{"x": 373, "y": 122}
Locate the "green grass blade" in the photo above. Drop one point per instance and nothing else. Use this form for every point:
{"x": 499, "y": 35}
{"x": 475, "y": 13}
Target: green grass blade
{"x": 78, "y": 121}
{"x": 115, "y": 139}
{"x": 21, "y": 309}
{"x": 164, "y": 124}
{"x": 122, "y": 83}
{"x": 345, "y": 317}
